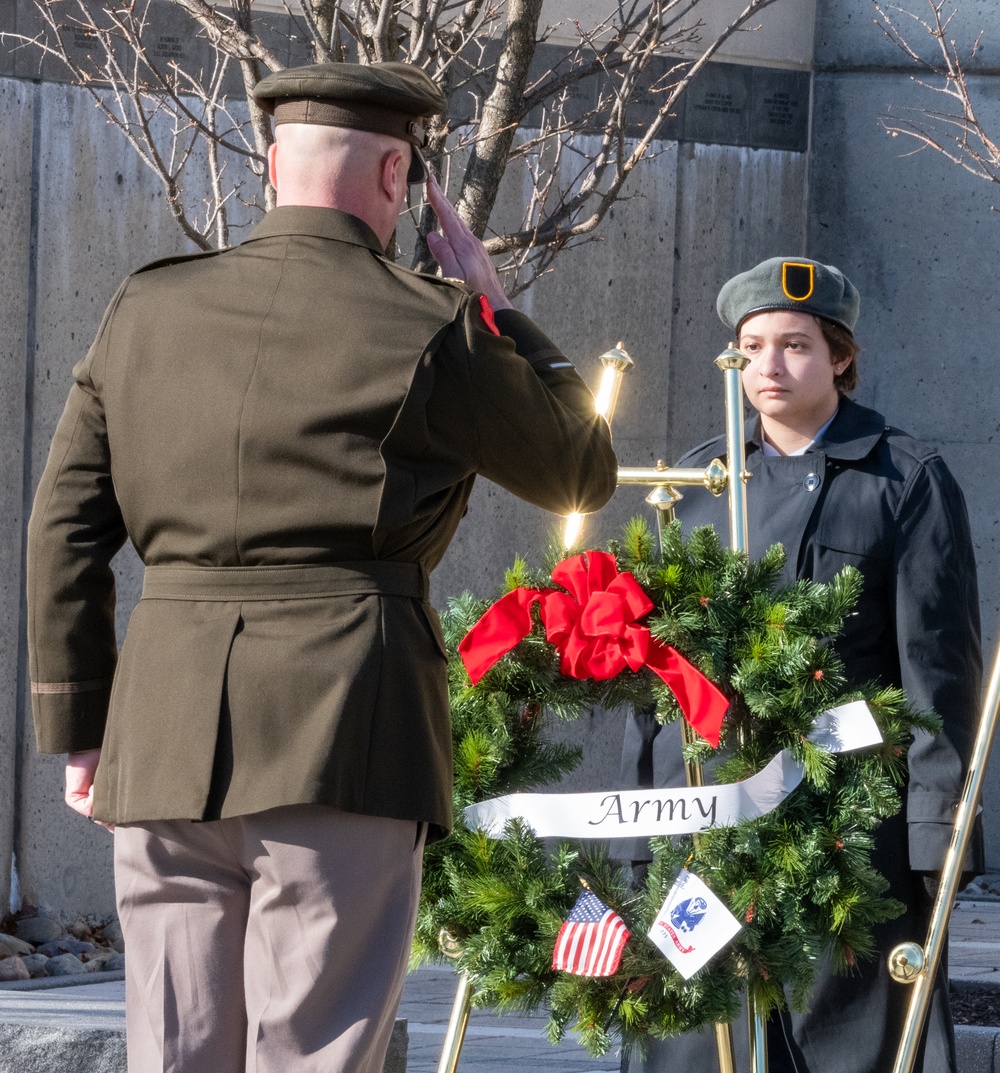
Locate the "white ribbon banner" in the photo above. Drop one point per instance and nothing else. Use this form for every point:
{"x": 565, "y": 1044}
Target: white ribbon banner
{"x": 646, "y": 813}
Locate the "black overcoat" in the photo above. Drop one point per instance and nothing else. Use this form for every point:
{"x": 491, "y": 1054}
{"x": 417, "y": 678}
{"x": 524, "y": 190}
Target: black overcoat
{"x": 870, "y": 496}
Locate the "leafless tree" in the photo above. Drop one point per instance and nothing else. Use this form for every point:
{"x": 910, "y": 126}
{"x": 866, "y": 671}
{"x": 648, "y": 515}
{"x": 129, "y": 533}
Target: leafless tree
{"x": 956, "y": 128}
{"x": 565, "y": 115}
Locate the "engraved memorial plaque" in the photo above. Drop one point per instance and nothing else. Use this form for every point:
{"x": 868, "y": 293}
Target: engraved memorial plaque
{"x": 580, "y": 95}
{"x": 83, "y": 47}
{"x": 473, "y": 74}
{"x": 8, "y": 24}
{"x": 779, "y": 117}
{"x": 655, "y": 86}
{"x": 717, "y": 105}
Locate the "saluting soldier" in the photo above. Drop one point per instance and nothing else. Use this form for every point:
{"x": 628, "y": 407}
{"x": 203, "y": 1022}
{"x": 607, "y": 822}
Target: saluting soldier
{"x": 288, "y": 431}
{"x": 837, "y": 485}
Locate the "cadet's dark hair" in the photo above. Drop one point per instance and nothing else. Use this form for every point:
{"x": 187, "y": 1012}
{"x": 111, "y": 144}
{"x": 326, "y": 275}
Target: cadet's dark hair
{"x": 842, "y": 345}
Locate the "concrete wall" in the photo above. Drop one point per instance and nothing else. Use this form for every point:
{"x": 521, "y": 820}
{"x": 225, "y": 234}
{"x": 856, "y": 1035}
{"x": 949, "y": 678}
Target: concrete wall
{"x": 80, "y": 211}
{"x": 921, "y": 240}
{"x": 16, "y": 218}
{"x": 100, "y": 212}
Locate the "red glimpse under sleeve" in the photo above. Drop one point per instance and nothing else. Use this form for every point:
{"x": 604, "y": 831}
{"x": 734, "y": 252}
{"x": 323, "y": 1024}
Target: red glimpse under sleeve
{"x": 486, "y": 312}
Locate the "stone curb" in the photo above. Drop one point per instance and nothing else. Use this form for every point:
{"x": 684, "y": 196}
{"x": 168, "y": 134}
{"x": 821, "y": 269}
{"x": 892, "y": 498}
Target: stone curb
{"x": 46, "y": 983}
{"x": 964, "y": 984}
{"x": 977, "y": 1049}
{"x": 45, "y": 1049}
{"x": 41, "y": 1049}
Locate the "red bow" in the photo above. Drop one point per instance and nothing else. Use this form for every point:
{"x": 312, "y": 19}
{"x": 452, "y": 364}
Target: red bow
{"x": 594, "y": 626}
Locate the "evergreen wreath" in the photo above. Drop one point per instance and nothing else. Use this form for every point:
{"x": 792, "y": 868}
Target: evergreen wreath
{"x": 800, "y": 878}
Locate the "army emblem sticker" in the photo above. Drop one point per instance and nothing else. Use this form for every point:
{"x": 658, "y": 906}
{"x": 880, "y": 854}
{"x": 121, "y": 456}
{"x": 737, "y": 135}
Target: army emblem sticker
{"x": 693, "y": 925}
{"x": 797, "y": 280}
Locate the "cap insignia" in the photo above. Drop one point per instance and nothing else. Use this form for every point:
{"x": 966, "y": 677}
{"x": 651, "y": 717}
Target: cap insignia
{"x": 797, "y": 280}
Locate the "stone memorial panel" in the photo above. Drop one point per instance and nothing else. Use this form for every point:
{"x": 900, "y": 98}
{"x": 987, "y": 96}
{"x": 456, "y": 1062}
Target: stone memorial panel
{"x": 717, "y": 105}
{"x": 655, "y": 86}
{"x": 83, "y": 47}
{"x": 779, "y": 114}
{"x": 581, "y": 95}
{"x": 8, "y": 24}
{"x": 177, "y": 47}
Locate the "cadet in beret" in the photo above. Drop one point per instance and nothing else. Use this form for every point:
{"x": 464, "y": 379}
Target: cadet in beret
{"x": 837, "y": 485}
{"x": 288, "y": 432}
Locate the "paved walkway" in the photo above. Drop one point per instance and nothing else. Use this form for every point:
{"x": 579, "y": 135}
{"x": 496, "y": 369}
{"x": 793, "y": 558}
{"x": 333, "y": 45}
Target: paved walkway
{"x": 493, "y": 1044}
{"x": 974, "y": 943}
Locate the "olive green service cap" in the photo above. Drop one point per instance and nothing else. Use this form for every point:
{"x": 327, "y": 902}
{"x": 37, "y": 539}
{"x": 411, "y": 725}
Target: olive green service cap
{"x": 793, "y": 283}
{"x": 385, "y": 98}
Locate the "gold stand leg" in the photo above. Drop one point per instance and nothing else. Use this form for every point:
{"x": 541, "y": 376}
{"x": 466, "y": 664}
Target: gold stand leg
{"x": 716, "y": 478}
{"x": 758, "y": 1038}
{"x": 663, "y": 498}
{"x": 732, "y": 363}
{"x": 723, "y": 1032}
{"x": 724, "y": 1045}
{"x": 918, "y": 966}
{"x": 459, "y": 1022}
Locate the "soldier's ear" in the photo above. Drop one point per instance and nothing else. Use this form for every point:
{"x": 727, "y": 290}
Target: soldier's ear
{"x": 394, "y": 168}
{"x": 272, "y": 164}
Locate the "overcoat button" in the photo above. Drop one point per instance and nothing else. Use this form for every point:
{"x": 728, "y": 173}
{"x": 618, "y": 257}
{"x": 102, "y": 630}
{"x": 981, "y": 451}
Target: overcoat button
{"x": 811, "y": 483}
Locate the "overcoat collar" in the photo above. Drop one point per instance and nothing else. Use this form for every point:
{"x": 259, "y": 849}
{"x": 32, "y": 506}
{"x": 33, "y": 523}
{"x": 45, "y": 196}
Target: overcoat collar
{"x": 853, "y": 434}
{"x": 317, "y": 223}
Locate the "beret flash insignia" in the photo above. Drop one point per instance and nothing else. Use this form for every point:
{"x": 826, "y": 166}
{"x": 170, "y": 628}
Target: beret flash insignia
{"x": 797, "y": 280}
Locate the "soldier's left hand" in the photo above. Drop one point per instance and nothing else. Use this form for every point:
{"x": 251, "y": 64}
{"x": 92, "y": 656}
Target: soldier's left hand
{"x": 80, "y": 770}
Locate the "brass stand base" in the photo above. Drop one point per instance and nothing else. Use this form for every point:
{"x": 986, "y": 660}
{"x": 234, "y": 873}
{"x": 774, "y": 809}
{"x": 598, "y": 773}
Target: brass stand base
{"x": 459, "y": 1022}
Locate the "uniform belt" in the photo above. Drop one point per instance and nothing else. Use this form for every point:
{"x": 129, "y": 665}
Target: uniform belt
{"x": 240, "y": 583}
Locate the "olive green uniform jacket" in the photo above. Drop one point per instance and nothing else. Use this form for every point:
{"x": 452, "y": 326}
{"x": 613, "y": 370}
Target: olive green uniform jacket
{"x": 288, "y": 431}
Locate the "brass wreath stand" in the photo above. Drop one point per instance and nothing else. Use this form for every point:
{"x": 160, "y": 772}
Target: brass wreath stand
{"x": 909, "y": 963}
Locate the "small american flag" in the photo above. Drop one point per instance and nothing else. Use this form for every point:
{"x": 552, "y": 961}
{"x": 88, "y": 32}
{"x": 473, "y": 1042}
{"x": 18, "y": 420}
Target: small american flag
{"x": 591, "y": 941}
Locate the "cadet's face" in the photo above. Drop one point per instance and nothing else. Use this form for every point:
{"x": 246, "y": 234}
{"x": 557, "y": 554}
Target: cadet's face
{"x": 789, "y": 380}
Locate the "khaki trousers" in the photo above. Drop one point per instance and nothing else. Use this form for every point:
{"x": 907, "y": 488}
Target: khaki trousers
{"x": 274, "y": 942}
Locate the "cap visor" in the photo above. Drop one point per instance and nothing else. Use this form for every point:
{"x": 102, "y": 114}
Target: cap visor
{"x": 418, "y": 168}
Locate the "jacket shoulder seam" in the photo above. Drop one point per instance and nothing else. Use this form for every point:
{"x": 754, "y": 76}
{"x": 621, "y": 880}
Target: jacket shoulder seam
{"x": 898, "y": 440}
{"x": 176, "y": 259}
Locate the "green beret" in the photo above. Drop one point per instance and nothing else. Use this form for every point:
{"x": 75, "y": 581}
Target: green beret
{"x": 790, "y": 283}
{"x": 385, "y": 98}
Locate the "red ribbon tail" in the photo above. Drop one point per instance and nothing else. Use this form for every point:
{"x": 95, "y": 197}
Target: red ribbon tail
{"x": 501, "y": 629}
{"x": 704, "y": 705}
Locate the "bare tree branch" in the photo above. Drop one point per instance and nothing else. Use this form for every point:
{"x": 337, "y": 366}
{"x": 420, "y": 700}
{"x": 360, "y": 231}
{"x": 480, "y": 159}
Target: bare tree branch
{"x": 322, "y": 23}
{"x": 501, "y": 112}
{"x": 492, "y": 58}
{"x": 562, "y": 224}
{"x": 956, "y": 131}
{"x": 227, "y": 35}
{"x": 259, "y": 122}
